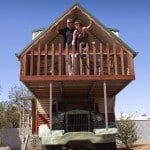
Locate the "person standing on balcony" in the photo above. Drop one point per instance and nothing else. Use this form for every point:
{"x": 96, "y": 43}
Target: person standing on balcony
{"x": 80, "y": 37}
{"x": 81, "y": 34}
{"x": 67, "y": 34}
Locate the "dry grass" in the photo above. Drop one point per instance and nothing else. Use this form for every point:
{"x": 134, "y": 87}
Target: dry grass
{"x": 144, "y": 146}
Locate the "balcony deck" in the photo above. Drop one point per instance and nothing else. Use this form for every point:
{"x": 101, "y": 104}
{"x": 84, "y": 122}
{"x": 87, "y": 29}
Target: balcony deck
{"x": 113, "y": 65}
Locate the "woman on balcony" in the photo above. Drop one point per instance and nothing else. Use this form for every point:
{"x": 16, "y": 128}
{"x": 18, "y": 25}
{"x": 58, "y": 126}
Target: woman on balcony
{"x": 80, "y": 37}
{"x": 80, "y": 34}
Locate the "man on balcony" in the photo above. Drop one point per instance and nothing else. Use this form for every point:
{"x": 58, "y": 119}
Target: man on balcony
{"x": 67, "y": 34}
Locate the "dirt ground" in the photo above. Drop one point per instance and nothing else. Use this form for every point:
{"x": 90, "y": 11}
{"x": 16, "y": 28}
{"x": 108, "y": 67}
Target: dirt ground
{"x": 144, "y": 146}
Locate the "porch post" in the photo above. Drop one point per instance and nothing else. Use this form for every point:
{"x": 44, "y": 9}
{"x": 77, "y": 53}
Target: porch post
{"x": 105, "y": 104}
{"x": 50, "y": 112}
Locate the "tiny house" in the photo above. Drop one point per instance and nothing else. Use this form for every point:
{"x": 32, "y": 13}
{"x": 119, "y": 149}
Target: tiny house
{"x": 76, "y": 111}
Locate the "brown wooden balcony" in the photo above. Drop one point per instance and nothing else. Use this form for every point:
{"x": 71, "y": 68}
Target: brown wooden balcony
{"x": 54, "y": 63}
{"x": 40, "y": 66}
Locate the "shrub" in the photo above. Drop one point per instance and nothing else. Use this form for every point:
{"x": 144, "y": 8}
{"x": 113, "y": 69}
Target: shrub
{"x": 127, "y": 130}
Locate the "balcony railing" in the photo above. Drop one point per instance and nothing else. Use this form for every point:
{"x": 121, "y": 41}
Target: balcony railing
{"x": 93, "y": 61}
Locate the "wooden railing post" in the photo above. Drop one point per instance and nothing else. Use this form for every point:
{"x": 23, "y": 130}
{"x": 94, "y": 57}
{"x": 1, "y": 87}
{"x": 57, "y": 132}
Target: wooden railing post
{"x": 73, "y": 60}
{"x": 31, "y": 63}
{"x": 23, "y": 65}
{"x": 122, "y": 61}
{"x": 115, "y": 59}
{"x": 80, "y": 59}
{"x": 45, "y": 60}
{"x": 132, "y": 66}
{"x": 59, "y": 60}
{"x": 39, "y": 61}
{"x": 130, "y": 70}
{"x": 108, "y": 59}
{"x": 66, "y": 58}
{"x": 87, "y": 60}
{"x": 53, "y": 60}
{"x": 94, "y": 59}
{"x": 101, "y": 60}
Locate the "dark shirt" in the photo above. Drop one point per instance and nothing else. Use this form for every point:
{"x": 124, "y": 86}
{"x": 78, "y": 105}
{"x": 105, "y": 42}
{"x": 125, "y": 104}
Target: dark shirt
{"x": 68, "y": 36}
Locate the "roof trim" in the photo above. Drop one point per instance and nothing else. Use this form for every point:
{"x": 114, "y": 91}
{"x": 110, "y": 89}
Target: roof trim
{"x": 109, "y": 31}
{"x": 83, "y": 9}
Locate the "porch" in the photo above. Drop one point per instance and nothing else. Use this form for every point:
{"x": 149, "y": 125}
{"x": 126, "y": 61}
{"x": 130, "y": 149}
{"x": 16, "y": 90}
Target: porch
{"x": 109, "y": 63}
{"x": 94, "y": 62}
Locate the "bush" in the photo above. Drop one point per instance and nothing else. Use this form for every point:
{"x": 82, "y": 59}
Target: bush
{"x": 126, "y": 130}
{"x": 34, "y": 143}
{"x": 9, "y": 116}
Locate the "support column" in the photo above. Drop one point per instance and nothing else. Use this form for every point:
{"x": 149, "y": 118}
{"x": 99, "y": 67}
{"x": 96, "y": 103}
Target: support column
{"x": 50, "y": 111}
{"x": 105, "y": 104}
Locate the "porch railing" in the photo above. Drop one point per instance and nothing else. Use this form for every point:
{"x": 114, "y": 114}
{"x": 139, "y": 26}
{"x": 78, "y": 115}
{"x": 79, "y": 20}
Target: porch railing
{"x": 93, "y": 61}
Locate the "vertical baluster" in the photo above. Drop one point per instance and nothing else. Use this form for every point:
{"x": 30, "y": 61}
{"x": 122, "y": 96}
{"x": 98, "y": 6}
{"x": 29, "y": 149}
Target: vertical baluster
{"x": 87, "y": 60}
{"x": 80, "y": 59}
{"x": 108, "y": 58}
{"x": 115, "y": 59}
{"x": 101, "y": 60}
{"x": 31, "y": 63}
{"x": 45, "y": 60}
{"x": 122, "y": 61}
{"x": 94, "y": 59}
{"x": 53, "y": 60}
{"x": 24, "y": 62}
{"x": 73, "y": 60}
{"x": 59, "y": 59}
{"x": 131, "y": 65}
{"x": 39, "y": 61}
{"x": 66, "y": 58}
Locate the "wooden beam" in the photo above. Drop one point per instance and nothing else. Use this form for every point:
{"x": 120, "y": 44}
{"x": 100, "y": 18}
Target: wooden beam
{"x": 101, "y": 60}
{"x": 91, "y": 88}
{"x": 28, "y": 98}
{"x": 31, "y": 62}
{"x": 66, "y": 59}
{"x": 59, "y": 60}
{"x": 53, "y": 59}
{"x": 122, "y": 61}
{"x": 61, "y": 89}
{"x": 75, "y": 78}
{"x": 88, "y": 60}
{"x": 108, "y": 58}
{"x": 115, "y": 59}
{"x": 39, "y": 60}
{"x": 45, "y": 60}
{"x": 80, "y": 59}
{"x": 94, "y": 59}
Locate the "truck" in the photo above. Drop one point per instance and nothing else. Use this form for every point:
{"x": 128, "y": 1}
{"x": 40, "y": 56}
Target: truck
{"x": 76, "y": 111}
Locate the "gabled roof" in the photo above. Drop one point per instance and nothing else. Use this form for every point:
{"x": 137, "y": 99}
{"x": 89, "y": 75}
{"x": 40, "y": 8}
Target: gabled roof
{"x": 78, "y": 12}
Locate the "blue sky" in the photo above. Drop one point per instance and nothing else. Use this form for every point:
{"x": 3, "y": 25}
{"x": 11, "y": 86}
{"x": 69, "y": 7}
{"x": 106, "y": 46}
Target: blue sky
{"x": 131, "y": 17}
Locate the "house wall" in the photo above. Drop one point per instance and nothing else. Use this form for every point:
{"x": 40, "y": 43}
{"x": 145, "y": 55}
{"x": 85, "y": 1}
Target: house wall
{"x": 43, "y": 106}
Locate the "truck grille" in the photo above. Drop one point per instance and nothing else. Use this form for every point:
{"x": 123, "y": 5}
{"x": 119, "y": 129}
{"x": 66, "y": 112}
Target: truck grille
{"x": 77, "y": 122}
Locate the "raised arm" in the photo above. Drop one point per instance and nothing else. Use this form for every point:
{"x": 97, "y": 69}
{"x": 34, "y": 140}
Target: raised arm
{"x": 91, "y": 22}
{"x": 87, "y": 31}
